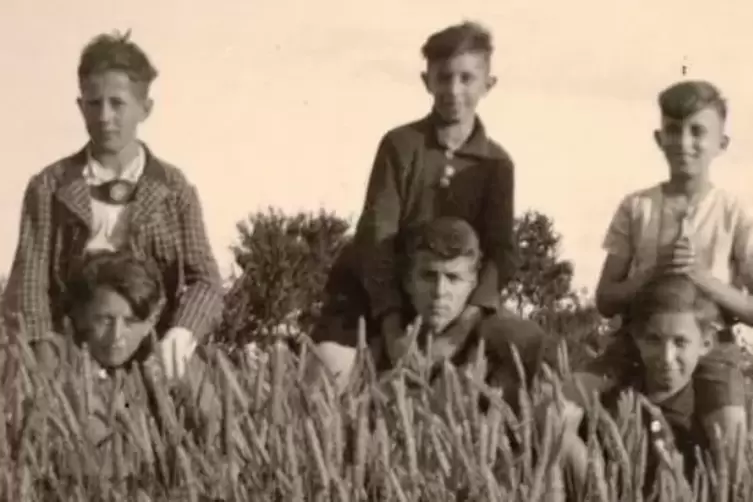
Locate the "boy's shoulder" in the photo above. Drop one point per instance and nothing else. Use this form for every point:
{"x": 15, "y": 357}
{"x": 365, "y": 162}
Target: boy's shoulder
{"x": 648, "y": 194}
{"x": 410, "y": 136}
{"x": 65, "y": 169}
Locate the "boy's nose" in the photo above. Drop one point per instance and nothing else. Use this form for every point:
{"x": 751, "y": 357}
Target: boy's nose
{"x": 668, "y": 354}
{"x": 440, "y": 287}
{"x": 116, "y": 330}
{"x": 106, "y": 113}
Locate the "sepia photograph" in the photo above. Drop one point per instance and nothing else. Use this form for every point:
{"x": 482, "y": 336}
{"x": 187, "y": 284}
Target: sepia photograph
{"x": 283, "y": 250}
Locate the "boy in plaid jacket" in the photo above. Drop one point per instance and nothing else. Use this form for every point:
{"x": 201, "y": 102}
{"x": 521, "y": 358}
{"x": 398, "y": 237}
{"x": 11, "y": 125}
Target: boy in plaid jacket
{"x": 114, "y": 193}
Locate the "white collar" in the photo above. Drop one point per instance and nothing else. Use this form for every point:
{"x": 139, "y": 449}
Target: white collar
{"x": 95, "y": 174}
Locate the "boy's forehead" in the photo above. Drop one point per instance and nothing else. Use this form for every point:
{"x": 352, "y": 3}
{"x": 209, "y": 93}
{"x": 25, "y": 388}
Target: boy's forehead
{"x": 469, "y": 60}
{"x": 708, "y": 115}
{"x": 112, "y": 81}
{"x": 672, "y": 323}
{"x": 426, "y": 260}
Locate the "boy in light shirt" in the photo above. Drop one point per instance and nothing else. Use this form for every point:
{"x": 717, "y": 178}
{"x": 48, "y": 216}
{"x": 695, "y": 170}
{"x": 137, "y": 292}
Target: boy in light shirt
{"x": 683, "y": 226}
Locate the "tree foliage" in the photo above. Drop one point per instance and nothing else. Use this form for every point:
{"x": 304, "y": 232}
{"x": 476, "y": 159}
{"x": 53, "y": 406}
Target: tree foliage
{"x": 284, "y": 262}
{"x": 543, "y": 280}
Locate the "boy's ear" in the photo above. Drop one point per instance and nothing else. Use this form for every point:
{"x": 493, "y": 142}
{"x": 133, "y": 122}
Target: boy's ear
{"x": 725, "y": 142}
{"x": 425, "y": 80}
{"x": 707, "y": 345}
{"x": 657, "y": 138}
{"x": 491, "y": 81}
{"x": 148, "y": 106}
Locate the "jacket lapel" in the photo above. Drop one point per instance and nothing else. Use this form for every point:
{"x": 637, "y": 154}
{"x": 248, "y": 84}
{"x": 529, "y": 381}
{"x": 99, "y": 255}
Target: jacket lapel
{"x": 73, "y": 191}
{"x": 151, "y": 190}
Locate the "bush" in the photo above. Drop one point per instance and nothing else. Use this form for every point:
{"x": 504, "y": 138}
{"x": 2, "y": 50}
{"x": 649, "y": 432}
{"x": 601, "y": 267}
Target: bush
{"x": 284, "y": 261}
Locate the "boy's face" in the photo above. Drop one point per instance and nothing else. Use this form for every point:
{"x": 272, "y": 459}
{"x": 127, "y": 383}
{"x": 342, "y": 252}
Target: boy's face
{"x": 691, "y": 144}
{"x": 111, "y": 329}
{"x": 670, "y": 345}
{"x": 112, "y": 107}
{"x": 439, "y": 289}
{"x": 458, "y": 84}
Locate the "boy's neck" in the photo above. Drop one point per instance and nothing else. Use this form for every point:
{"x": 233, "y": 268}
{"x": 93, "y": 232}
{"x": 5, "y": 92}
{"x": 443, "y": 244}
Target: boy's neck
{"x": 453, "y": 136}
{"x": 115, "y": 162}
{"x": 659, "y": 395}
{"x": 689, "y": 187}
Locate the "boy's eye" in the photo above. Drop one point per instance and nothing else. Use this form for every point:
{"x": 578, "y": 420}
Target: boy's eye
{"x": 698, "y": 130}
{"x": 681, "y": 343}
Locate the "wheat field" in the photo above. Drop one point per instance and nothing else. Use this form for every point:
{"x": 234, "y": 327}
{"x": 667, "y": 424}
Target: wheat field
{"x": 273, "y": 437}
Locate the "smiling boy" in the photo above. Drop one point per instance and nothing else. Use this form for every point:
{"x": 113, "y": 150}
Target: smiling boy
{"x": 441, "y": 165}
{"x": 113, "y": 194}
{"x": 674, "y": 328}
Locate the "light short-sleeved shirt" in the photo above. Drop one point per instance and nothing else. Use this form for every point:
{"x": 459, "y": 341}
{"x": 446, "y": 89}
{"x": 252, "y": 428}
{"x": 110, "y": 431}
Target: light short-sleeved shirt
{"x": 720, "y": 226}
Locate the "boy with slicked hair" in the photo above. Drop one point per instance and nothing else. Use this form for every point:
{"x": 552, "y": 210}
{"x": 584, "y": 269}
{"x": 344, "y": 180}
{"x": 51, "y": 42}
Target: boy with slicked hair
{"x": 444, "y": 164}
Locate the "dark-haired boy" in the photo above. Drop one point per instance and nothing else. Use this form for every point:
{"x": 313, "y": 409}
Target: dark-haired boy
{"x": 674, "y": 326}
{"x": 114, "y": 302}
{"x": 441, "y": 165}
{"x": 113, "y": 194}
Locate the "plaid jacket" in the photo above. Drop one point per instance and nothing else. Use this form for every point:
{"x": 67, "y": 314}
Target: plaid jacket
{"x": 165, "y": 223}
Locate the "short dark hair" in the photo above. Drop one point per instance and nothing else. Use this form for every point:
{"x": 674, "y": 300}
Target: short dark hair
{"x": 458, "y": 39}
{"x": 675, "y": 294}
{"x": 447, "y": 238}
{"x": 137, "y": 280}
{"x": 682, "y": 99}
{"x": 116, "y": 52}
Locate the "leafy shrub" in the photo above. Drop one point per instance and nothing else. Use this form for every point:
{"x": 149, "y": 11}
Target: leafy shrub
{"x": 284, "y": 262}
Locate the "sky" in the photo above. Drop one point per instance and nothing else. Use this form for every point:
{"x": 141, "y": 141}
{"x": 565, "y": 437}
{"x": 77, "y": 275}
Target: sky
{"x": 282, "y": 102}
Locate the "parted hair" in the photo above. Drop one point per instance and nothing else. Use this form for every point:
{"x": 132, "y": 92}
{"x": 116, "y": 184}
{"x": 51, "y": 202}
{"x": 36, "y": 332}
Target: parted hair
{"x": 682, "y": 99}
{"x": 675, "y": 294}
{"x": 457, "y": 39}
{"x": 446, "y": 237}
{"x": 116, "y": 52}
{"x": 136, "y": 279}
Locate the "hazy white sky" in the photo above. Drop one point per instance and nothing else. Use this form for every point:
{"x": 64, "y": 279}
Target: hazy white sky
{"x": 282, "y": 102}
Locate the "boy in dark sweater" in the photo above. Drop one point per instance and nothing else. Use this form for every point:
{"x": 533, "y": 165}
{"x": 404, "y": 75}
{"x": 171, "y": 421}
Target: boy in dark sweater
{"x": 441, "y": 165}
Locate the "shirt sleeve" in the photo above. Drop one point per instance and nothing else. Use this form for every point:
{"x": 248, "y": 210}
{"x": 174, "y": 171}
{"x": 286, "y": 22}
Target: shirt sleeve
{"x": 618, "y": 239}
{"x": 742, "y": 248}
{"x": 498, "y": 238}
{"x": 200, "y": 304}
{"x": 377, "y": 231}
{"x": 718, "y": 381}
{"x": 26, "y": 301}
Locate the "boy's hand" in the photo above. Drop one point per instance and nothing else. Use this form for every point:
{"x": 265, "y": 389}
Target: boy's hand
{"x": 395, "y": 339}
{"x": 678, "y": 259}
{"x": 176, "y": 348}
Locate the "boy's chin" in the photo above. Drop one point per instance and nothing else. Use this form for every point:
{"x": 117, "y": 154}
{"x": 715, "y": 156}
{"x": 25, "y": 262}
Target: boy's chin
{"x": 114, "y": 359}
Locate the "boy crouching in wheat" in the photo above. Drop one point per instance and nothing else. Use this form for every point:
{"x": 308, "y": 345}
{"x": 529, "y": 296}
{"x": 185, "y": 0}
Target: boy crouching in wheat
{"x": 675, "y": 328}
{"x": 114, "y": 302}
{"x": 439, "y": 273}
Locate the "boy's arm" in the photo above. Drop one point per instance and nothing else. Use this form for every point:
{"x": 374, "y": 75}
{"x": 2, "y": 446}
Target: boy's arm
{"x": 200, "y": 304}
{"x": 377, "y": 230}
{"x": 498, "y": 239}
{"x": 615, "y": 289}
{"x": 27, "y": 292}
{"x": 735, "y": 302}
{"x": 720, "y": 394}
